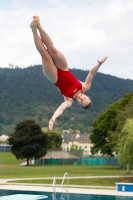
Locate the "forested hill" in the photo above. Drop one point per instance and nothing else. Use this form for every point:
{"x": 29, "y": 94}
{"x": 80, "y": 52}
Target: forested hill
{"x": 27, "y": 94}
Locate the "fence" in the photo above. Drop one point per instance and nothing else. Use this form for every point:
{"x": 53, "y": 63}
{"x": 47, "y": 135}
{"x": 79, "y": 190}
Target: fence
{"x": 5, "y": 148}
{"x": 67, "y": 158}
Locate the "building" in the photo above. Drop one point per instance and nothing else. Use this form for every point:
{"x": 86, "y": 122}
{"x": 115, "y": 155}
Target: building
{"x": 81, "y": 140}
{"x": 4, "y": 138}
{"x": 5, "y": 147}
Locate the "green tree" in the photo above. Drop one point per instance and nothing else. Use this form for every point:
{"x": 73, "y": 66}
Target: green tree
{"x": 105, "y": 129}
{"x": 54, "y": 139}
{"x": 8, "y": 129}
{"x": 28, "y": 141}
{"x": 123, "y": 115}
{"x": 125, "y": 145}
{"x": 74, "y": 149}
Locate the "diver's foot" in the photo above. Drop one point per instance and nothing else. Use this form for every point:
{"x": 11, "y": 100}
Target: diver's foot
{"x": 35, "y": 17}
{"x": 33, "y": 25}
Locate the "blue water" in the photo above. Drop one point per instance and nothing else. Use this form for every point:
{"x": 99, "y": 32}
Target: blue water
{"x": 65, "y": 197}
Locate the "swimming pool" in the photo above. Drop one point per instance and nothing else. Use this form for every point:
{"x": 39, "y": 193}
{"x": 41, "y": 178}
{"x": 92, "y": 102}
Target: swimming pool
{"x": 63, "y": 196}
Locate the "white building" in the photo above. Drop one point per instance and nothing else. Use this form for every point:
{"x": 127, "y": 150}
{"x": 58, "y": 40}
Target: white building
{"x": 81, "y": 140}
{"x": 4, "y": 138}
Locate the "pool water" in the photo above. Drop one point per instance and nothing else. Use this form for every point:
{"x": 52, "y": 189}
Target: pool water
{"x": 63, "y": 196}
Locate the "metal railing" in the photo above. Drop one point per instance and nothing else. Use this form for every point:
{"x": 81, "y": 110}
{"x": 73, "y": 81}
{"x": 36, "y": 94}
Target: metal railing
{"x": 62, "y": 184}
{"x": 67, "y": 189}
{"x": 54, "y": 184}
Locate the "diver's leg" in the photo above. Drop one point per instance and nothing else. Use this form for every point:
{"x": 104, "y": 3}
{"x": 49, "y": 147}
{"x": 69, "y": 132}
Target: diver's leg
{"x": 48, "y": 67}
{"x": 58, "y": 58}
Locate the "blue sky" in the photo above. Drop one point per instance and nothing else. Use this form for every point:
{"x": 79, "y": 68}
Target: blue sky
{"x": 84, "y": 31}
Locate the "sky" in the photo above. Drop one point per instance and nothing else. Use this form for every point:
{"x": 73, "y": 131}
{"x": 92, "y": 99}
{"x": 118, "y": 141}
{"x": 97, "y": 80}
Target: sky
{"x": 84, "y": 30}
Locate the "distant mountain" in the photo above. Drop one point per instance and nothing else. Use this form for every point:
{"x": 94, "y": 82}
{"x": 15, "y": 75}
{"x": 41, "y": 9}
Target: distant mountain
{"x": 27, "y": 94}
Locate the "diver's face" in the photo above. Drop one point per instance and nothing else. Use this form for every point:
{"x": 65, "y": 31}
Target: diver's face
{"x": 83, "y": 100}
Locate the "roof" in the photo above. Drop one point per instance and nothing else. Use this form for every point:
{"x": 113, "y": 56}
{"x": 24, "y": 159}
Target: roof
{"x": 80, "y": 137}
{"x": 5, "y": 145}
{"x": 67, "y": 137}
{"x": 59, "y": 154}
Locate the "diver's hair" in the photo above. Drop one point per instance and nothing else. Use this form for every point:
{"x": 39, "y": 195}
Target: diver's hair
{"x": 89, "y": 105}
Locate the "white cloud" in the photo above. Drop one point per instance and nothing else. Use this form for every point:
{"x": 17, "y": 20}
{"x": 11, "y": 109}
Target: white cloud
{"x": 83, "y": 30}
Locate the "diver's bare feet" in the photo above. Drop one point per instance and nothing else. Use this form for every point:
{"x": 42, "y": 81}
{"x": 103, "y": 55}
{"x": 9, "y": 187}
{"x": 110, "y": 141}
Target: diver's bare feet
{"x": 33, "y": 25}
{"x": 35, "y": 17}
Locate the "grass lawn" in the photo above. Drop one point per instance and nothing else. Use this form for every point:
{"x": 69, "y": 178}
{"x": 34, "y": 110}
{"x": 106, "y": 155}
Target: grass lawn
{"x": 10, "y": 168}
{"x": 7, "y": 158}
{"x": 16, "y": 171}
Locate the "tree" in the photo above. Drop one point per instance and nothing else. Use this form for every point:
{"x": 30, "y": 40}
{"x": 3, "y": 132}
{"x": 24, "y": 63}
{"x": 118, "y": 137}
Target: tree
{"x": 123, "y": 115}
{"x": 125, "y": 145}
{"x": 74, "y": 149}
{"x": 105, "y": 129}
{"x": 54, "y": 139}
{"x": 28, "y": 141}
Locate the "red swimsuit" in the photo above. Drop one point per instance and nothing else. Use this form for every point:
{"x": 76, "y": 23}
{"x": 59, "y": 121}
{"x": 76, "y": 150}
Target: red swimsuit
{"x": 67, "y": 83}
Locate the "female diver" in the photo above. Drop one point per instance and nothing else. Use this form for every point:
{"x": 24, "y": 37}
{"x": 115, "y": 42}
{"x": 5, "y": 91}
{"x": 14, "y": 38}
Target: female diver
{"x": 55, "y": 69}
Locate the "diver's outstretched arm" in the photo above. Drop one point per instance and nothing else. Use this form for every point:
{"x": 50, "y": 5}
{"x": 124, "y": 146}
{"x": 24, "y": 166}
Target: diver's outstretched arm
{"x": 58, "y": 112}
{"x": 92, "y": 72}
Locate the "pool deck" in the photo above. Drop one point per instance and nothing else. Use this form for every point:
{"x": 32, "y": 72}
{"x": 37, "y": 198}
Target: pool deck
{"x": 71, "y": 190}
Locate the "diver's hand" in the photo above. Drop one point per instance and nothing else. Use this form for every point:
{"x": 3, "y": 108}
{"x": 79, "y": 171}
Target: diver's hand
{"x": 102, "y": 60}
{"x": 51, "y": 124}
